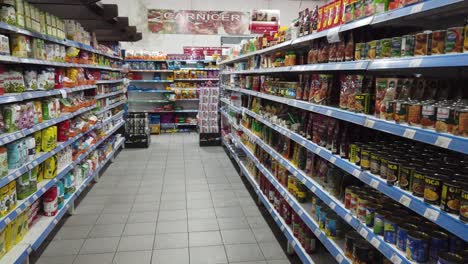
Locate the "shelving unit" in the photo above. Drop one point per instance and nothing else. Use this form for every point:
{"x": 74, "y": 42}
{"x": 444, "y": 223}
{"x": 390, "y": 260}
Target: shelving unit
{"x": 234, "y": 71}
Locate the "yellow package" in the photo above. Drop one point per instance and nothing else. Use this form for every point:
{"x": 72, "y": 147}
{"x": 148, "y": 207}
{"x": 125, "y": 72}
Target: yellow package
{"x": 10, "y": 235}
{"x": 3, "y": 200}
{"x": 3, "y": 250}
{"x": 11, "y": 203}
{"x": 38, "y": 112}
{"x": 40, "y": 172}
{"x": 49, "y": 139}
{"x": 50, "y": 168}
{"x": 38, "y": 138}
{"x": 22, "y": 226}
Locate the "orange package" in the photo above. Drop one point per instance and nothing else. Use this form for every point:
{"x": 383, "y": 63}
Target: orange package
{"x": 394, "y": 4}
{"x": 338, "y": 12}
{"x": 319, "y": 19}
{"x": 331, "y": 14}
{"x": 326, "y": 10}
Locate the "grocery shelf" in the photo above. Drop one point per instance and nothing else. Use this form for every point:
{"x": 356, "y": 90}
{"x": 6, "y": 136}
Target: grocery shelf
{"x": 186, "y": 100}
{"x": 65, "y": 42}
{"x": 39, "y": 232}
{"x": 109, "y": 107}
{"x": 332, "y": 247}
{"x": 162, "y": 112}
{"x": 109, "y": 81}
{"x": 12, "y": 59}
{"x": 197, "y": 69}
{"x": 234, "y": 124}
{"x": 135, "y": 70}
{"x": 151, "y": 81}
{"x": 448, "y": 221}
{"x": 28, "y": 95}
{"x": 196, "y": 80}
{"x": 433, "y": 61}
{"x": 147, "y": 101}
{"x": 400, "y": 14}
{"x": 443, "y": 140}
{"x": 150, "y": 91}
{"x": 187, "y": 89}
{"x": 231, "y": 106}
{"x": 179, "y": 124}
{"x": 100, "y": 96}
{"x": 10, "y": 137}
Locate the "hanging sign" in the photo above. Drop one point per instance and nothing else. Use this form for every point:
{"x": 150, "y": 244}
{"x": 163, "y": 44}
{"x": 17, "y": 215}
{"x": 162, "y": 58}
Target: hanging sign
{"x": 165, "y": 21}
{"x": 264, "y": 21}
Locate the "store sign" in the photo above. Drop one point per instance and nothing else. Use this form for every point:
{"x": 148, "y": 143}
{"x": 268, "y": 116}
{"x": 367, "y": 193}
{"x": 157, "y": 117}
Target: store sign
{"x": 165, "y": 21}
{"x": 264, "y": 21}
{"x": 202, "y": 51}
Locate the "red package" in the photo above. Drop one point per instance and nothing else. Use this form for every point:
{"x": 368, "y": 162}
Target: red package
{"x": 50, "y": 201}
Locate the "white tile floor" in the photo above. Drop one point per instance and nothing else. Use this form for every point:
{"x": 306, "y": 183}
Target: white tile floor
{"x": 173, "y": 203}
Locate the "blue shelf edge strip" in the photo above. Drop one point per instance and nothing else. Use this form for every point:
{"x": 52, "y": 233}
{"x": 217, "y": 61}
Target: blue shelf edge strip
{"x": 11, "y": 98}
{"x": 443, "y": 140}
{"x": 448, "y": 221}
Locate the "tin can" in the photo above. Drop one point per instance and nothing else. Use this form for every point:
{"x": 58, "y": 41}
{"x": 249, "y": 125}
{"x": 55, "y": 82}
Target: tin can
{"x": 433, "y": 188}
{"x": 450, "y": 196}
{"x": 365, "y": 157}
{"x": 331, "y": 226}
{"x": 445, "y": 118}
{"x": 390, "y": 229}
{"x": 362, "y": 103}
{"x": 417, "y": 246}
{"x": 324, "y": 212}
{"x": 354, "y": 202}
{"x": 414, "y": 113}
{"x": 406, "y": 169}
{"x": 407, "y": 45}
{"x": 379, "y": 219}
{"x": 460, "y": 127}
{"x": 428, "y": 115}
{"x": 351, "y": 237}
{"x": 450, "y": 258}
{"x": 363, "y": 200}
{"x": 439, "y": 243}
{"x": 400, "y": 113}
{"x": 456, "y": 244}
{"x": 383, "y": 166}
{"x": 402, "y": 234}
{"x": 362, "y": 252}
{"x": 393, "y": 170}
{"x": 375, "y": 162}
{"x": 370, "y": 213}
{"x": 348, "y": 191}
{"x": 417, "y": 181}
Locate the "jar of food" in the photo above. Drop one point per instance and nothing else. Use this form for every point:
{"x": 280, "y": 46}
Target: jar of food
{"x": 460, "y": 127}
{"x": 401, "y": 106}
{"x": 433, "y": 187}
{"x": 407, "y": 45}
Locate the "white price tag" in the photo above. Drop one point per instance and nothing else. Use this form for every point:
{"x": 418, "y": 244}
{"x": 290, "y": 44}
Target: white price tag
{"x": 415, "y": 63}
{"x": 317, "y": 232}
{"x": 443, "y": 142}
{"x": 317, "y": 150}
{"x": 18, "y": 211}
{"x": 348, "y": 218}
{"x": 405, "y": 200}
{"x": 416, "y": 8}
{"x": 329, "y": 112}
{"x": 431, "y": 214}
{"x": 333, "y": 160}
{"x": 369, "y": 123}
{"x": 282, "y": 228}
{"x": 293, "y": 243}
{"x": 63, "y": 93}
{"x": 375, "y": 242}
{"x": 356, "y": 173}
{"x": 17, "y": 173}
{"x": 332, "y": 205}
{"x": 10, "y": 177}
{"x": 303, "y": 181}
{"x": 43, "y": 189}
{"x": 314, "y": 189}
{"x": 363, "y": 232}
{"x": 359, "y": 65}
{"x": 55, "y": 221}
{"x": 395, "y": 259}
{"x": 374, "y": 183}
{"x": 7, "y": 220}
{"x": 300, "y": 213}
{"x": 35, "y": 197}
{"x": 339, "y": 258}
{"x": 311, "y": 108}
{"x": 276, "y": 218}
{"x": 333, "y": 35}
{"x": 295, "y": 173}
{"x": 288, "y": 167}
{"x": 409, "y": 133}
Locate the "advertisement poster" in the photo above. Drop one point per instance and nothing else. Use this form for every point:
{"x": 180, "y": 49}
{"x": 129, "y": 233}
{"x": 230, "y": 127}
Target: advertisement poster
{"x": 264, "y": 21}
{"x": 165, "y": 21}
{"x": 200, "y": 52}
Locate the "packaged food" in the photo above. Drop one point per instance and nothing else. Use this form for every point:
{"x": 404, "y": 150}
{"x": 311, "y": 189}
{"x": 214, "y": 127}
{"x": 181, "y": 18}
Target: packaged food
{"x": 8, "y": 14}
{"x": 414, "y": 109}
{"x": 407, "y": 45}
{"x": 348, "y": 12}
{"x": 438, "y": 42}
{"x": 49, "y": 139}
{"x": 4, "y": 45}
{"x": 396, "y": 47}
{"x": 20, "y": 45}
{"x": 50, "y": 168}
{"x": 417, "y": 246}
{"x": 319, "y": 18}
{"x": 358, "y": 9}
{"x": 460, "y": 126}
{"x": 423, "y": 45}
{"x": 50, "y": 201}
{"x": 445, "y": 118}
{"x": 13, "y": 81}
{"x": 331, "y": 14}
{"x": 372, "y": 49}
{"x": 465, "y": 37}
{"x": 385, "y": 48}
{"x": 394, "y": 4}
{"x": 338, "y": 12}
{"x": 11, "y": 116}
{"x": 454, "y": 40}
{"x": 30, "y": 80}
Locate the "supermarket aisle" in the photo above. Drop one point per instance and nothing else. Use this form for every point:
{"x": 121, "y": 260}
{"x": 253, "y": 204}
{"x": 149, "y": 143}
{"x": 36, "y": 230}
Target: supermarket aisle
{"x": 172, "y": 203}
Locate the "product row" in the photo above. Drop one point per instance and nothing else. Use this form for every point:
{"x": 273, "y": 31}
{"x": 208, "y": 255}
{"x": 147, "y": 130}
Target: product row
{"x": 438, "y": 176}
{"x": 435, "y": 104}
{"x": 55, "y": 197}
{"x": 20, "y": 116}
{"x": 194, "y": 74}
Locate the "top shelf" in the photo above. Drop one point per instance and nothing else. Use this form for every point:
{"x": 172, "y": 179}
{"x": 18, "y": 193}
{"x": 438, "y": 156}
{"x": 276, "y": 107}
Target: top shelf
{"x": 65, "y": 42}
{"x": 376, "y": 20}
{"x": 188, "y": 61}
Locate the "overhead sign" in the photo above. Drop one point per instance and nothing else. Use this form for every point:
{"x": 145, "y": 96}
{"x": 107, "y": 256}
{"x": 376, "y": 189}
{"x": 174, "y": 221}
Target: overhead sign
{"x": 165, "y": 21}
{"x": 264, "y": 21}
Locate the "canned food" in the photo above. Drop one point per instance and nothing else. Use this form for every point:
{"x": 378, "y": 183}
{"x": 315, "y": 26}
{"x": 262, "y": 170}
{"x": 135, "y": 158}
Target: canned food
{"x": 439, "y": 243}
{"x": 379, "y": 219}
{"x": 417, "y": 181}
{"x": 417, "y": 246}
{"x": 445, "y": 119}
{"x": 460, "y": 127}
{"x": 433, "y": 188}
{"x": 393, "y": 170}
{"x": 406, "y": 169}
{"x": 450, "y": 196}
{"x": 362, "y": 103}
{"x": 351, "y": 238}
{"x": 414, "y": 113}
{"x": 323, "y": 217}
{"x": 370, "y": 213}
{"x": 383, "y": 166}
{"x": 333, "y": 227}
{"x": 400, "y": 115}
{"x": 464, "y": 205}
{"x": 390, "y": 228}
{"x": 354, "y": 202}
{"x": 450, "y": 258}
{"x": 402, "y": 234}
{"x": 361, "y": 207}
{"x": 427, "y": 226}
{"x": 428, "y": 115}
{"x": 375, "y": 162}
{"x": 456, "y": 244}
{"x": 363, "y": 252}
{"x": 365, "y": 157}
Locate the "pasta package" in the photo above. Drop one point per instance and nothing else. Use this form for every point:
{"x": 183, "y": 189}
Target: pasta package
{"x": 49, "y": 139}
{"x": 50, "y": 168}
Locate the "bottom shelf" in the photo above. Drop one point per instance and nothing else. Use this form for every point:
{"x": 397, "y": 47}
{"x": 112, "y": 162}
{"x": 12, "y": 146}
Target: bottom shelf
{"x": 321, "y": 257}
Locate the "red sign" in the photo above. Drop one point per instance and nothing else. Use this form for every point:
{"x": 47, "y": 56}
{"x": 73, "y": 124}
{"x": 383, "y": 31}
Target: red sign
{"x": 166, "y": 21}
{"x": 202, "y": 51}
{"x": 264, "y": 21}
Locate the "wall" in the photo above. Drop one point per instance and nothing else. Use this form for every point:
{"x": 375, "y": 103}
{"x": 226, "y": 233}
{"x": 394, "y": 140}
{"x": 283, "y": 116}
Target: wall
{"x": 172, "y": 43}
